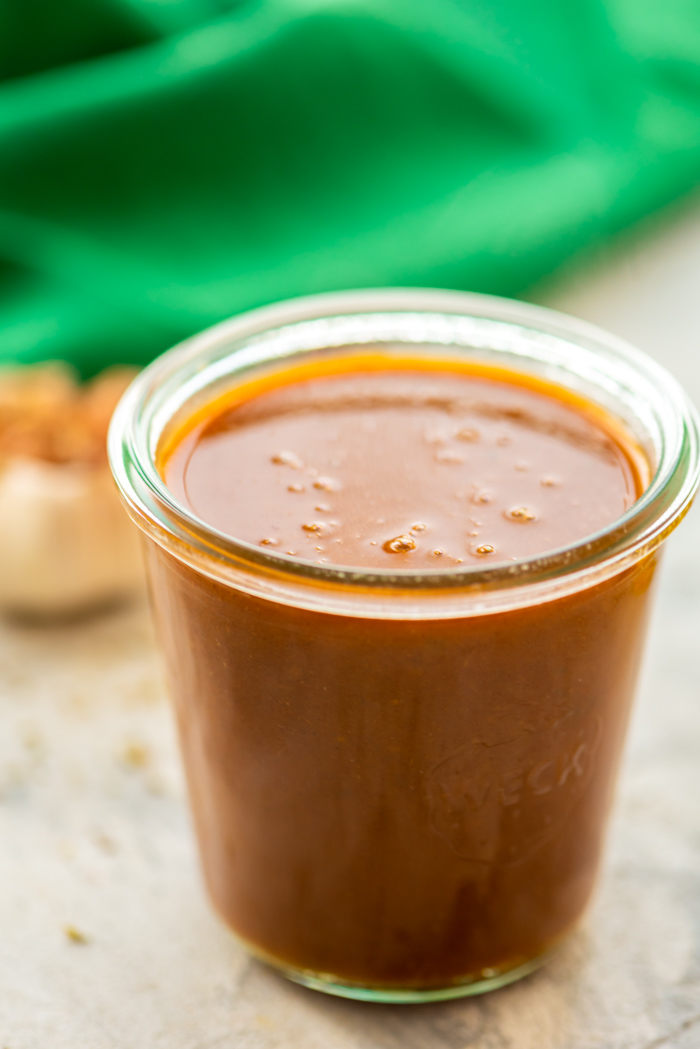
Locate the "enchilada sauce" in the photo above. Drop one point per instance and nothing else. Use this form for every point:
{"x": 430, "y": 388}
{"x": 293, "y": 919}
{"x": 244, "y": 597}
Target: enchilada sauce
{"x": 401, "y": 803}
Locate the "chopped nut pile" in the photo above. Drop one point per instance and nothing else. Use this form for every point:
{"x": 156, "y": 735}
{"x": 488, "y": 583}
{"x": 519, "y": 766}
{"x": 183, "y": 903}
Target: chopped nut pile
{"x": 46, "y": 413}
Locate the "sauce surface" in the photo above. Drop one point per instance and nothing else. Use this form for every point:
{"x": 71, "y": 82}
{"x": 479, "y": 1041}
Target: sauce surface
{"x": 405, "y": 468}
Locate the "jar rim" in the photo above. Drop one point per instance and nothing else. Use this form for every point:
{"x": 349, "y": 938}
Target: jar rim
{"x": 452, "y": 321}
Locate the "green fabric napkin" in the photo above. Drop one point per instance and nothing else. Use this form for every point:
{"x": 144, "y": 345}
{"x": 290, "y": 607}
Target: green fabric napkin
{"x": 166, "y": 163}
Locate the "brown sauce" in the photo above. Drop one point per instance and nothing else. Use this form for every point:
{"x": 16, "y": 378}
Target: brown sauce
{"x": 401, "y": 803}
{"x": 439, "y": 468}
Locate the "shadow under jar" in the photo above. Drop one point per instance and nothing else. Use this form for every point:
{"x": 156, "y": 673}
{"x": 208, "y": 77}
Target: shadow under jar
{"x": 401, "y": 776}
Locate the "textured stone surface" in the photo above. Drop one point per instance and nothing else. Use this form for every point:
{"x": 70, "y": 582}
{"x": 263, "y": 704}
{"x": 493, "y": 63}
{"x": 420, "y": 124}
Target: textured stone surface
{"x": 96, "y": 844}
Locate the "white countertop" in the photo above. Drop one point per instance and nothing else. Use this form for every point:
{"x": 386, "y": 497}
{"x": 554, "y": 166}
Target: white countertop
{"x": 96, "y": 841}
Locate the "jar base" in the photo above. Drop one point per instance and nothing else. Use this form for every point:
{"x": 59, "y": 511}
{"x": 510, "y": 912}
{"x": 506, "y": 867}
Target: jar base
{"x": 329, "y": 983}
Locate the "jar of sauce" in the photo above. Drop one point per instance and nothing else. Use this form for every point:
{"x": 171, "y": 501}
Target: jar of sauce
{"x": 401, "y": 547}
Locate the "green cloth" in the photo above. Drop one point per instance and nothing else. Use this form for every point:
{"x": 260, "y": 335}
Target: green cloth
{"x": 167, "y": 163}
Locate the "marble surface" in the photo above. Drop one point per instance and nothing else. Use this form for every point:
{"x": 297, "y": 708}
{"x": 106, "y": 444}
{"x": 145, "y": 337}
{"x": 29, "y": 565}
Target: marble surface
{"x": 107, "y": 938}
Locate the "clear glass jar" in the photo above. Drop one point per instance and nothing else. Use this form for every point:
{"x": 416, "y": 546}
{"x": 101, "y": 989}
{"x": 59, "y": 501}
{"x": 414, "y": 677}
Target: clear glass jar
{"x": 401, "y": 779}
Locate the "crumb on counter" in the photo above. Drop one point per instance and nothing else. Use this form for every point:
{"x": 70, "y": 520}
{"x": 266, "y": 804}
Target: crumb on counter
{"x": 135, "y": 755}
{"x": 75, "y": 935}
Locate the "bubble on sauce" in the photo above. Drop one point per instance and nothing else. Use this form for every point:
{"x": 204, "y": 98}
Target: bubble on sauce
{"x": 296, "y": 488}
{"x": 446, "y": 455}
{"x": 522, "y": 466}
{"x": 436, "y": 436}
{"x": 314, "y": 527}
{"x": 438, "y": 551}
{"x": 521, "y": 514}
{"x": 550, "y": 481}
{"x": 419, "y": 527}
{"x": 482, "y": 496}
{"x": 400, "y": 544}
{"x": 327, "y": 484}
{"x": 285, "y": 458}
{"x": 323, "y": 508}
{"x": 269, "y": 542}
{"x": 484, "y": 549}
{"x": 467, "y": 433}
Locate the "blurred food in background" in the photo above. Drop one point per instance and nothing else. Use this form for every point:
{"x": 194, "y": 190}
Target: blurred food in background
{"x": 66, "y": 543}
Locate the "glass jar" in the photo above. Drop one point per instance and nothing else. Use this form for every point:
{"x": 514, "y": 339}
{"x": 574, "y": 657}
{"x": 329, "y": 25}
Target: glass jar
{"x": 401, "y": 779}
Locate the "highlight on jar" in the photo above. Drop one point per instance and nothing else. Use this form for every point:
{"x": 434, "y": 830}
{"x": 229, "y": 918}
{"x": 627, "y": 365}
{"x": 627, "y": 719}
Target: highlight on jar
{"x": 401, "y": 547}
